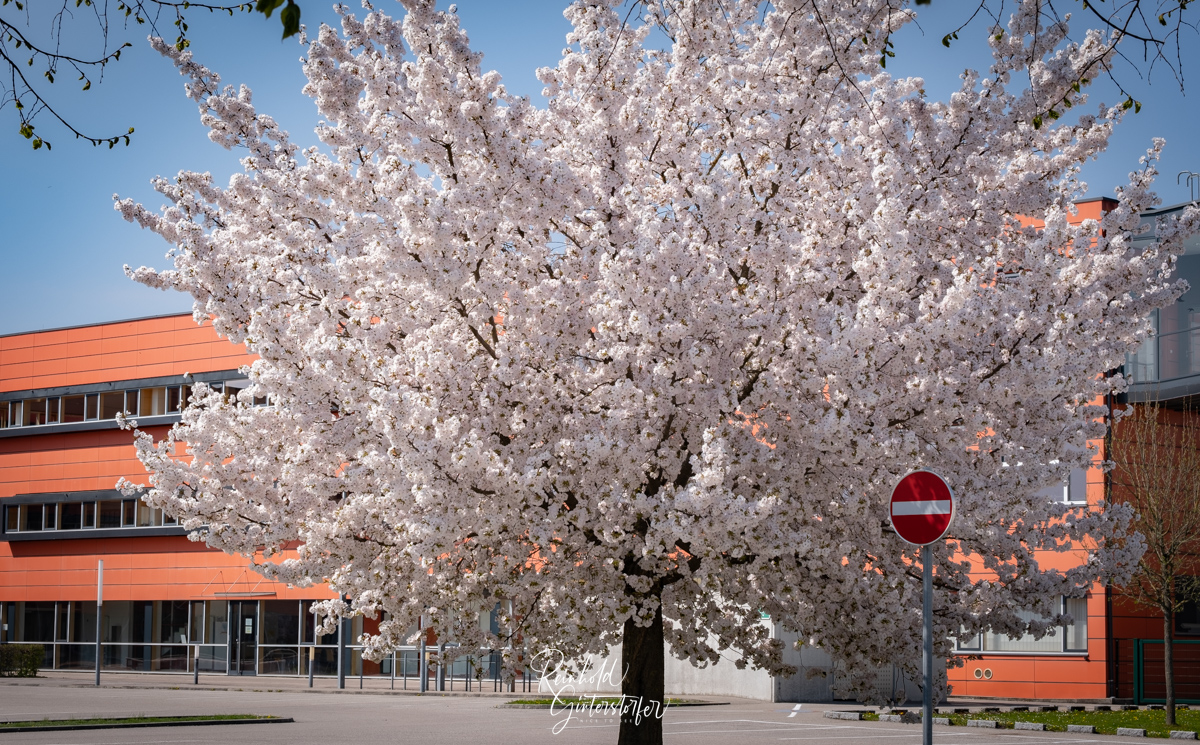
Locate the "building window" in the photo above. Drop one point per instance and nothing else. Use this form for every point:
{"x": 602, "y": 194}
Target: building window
{"x": 1142, "y": 365}
{"x": 111, "y": 404}
{"x": 72, "y": 408}
{"x": 106, "y": 514}
{"x": 72, "y": 516}
{"x": 90, "y": 407}
{"x": 1072, "y": 638}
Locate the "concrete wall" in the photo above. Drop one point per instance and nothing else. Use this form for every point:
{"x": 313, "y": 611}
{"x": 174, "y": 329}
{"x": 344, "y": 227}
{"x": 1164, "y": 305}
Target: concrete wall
{"x": 816, "y": 679}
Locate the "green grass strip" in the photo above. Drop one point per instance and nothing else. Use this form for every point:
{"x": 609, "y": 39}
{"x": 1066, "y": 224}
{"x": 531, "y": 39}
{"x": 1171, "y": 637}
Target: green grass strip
{"x": 1105, "y": 722}
{"x": 126, "y": 720}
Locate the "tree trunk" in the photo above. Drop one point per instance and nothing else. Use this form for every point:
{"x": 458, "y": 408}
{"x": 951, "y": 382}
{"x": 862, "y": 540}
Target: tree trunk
{"x": 1168, "y": 663}
{"x": 643, "y": 687}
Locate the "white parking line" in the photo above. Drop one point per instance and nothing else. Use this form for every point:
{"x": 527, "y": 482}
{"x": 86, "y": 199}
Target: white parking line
{"x": 856, "y": 736}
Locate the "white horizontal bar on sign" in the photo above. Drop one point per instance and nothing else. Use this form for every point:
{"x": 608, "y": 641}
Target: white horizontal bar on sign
{"x": 933, "y": 507}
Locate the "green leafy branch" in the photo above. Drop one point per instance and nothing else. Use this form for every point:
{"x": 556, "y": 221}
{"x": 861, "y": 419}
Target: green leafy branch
{"x": 19, "y": 53}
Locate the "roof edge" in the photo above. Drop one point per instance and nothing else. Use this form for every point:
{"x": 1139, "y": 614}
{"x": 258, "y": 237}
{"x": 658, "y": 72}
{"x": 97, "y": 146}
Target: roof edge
{"x": 94, "y": 324}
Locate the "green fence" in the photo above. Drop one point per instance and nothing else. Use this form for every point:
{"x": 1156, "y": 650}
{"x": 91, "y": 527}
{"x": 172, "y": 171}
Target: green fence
{"x": 1149, "y": 679}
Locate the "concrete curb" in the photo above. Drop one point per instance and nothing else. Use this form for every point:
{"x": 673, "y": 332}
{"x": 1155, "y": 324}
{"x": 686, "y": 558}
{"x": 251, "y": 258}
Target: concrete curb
{"x": 1086, "y": 729}
{"x": 984, "y": 723}
{"x": 854, "y": 716}
{"x": 140, "y": 725}
{"x": 1182, "y": 735}
{"x": 1130, "y": 732}
{"x": 1035, "y": 726}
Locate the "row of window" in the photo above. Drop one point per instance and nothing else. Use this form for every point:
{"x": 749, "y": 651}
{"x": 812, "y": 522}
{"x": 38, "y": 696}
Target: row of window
{"x": 166, "y": 622}
{"x": 91, "y": 407}
{"x": 247, "y": 636}
{"x": 1072, "y": 638}
{"x": 103, "y": 514}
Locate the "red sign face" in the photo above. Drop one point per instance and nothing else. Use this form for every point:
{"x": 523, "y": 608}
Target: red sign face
{"x": 922, "y": 507}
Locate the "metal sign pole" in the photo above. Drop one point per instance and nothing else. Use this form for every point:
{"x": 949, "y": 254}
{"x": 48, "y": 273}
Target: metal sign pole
{"x": 927, "y": 646}
{"x": 341, "y": 654}
{"x": 423, "y": 666}
{"x": 99, "y": 609}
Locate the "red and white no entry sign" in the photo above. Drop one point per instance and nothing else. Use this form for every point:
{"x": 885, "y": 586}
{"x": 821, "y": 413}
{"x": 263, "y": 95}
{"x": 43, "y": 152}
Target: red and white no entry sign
{"x": 922, "y": 507}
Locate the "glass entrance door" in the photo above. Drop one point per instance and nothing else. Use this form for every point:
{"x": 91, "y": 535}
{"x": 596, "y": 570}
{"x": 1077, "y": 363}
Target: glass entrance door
{"x": 243, "y": 637}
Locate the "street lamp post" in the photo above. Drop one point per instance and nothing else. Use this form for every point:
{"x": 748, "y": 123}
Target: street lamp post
{"x": 99, "y": 611}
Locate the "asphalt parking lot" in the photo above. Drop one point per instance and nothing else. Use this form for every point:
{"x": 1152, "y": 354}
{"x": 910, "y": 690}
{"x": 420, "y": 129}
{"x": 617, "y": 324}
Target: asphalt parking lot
{"x": 370, "y": 717}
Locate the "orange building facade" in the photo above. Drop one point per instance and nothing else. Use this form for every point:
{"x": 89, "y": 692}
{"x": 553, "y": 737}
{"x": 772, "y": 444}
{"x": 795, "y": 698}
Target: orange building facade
{"x": 61, "y": 454}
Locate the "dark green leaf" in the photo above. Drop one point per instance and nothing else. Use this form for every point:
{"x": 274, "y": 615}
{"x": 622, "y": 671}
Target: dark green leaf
{"x": 267, "y": 7}
{"x": 291, "y": 19}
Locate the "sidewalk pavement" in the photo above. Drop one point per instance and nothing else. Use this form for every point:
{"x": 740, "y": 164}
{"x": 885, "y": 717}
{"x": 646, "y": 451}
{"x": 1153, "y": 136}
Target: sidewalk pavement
{"x": 449, "y": 718}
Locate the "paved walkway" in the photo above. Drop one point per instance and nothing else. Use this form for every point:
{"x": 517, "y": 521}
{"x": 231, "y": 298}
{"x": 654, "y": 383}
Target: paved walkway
{"x": 377, "y": 715}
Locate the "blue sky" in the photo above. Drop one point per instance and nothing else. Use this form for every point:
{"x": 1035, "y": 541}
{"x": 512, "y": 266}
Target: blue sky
{"x": 63, "y": 246}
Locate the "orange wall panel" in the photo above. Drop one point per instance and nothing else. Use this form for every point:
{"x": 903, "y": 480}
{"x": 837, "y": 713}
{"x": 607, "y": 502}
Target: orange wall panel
{"x": 125, "y": 350}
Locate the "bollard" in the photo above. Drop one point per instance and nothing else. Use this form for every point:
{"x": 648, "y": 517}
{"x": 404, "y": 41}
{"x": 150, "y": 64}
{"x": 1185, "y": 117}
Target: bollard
{"x": 196, "y": 666}
{"x": 312, "y": 656}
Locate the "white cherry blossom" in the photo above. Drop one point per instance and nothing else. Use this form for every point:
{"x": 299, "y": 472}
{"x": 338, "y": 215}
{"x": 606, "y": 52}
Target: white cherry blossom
{"x": 664, "y": 342}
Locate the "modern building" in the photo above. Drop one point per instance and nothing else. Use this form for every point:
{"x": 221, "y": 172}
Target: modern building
{"x": 1114, "y": 649}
